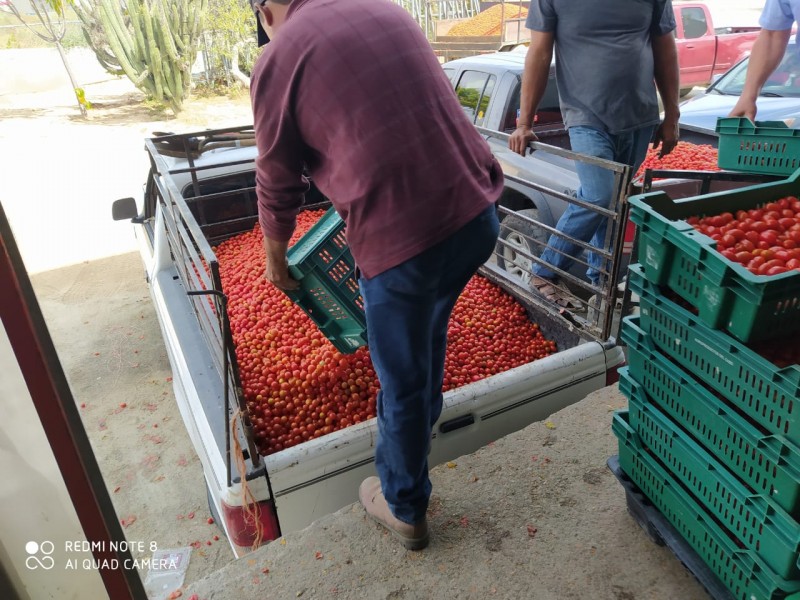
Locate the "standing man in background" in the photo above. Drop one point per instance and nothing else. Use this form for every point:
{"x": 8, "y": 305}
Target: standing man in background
{"x": 607, "y": 55}
{"x": 776, "y": 22}
{"x": 353, "y": 91}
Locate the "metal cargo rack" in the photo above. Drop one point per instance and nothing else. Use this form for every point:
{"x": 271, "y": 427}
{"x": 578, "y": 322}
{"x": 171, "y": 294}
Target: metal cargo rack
{"x": 198, "y": 215}
{"x": 595, "y": 324}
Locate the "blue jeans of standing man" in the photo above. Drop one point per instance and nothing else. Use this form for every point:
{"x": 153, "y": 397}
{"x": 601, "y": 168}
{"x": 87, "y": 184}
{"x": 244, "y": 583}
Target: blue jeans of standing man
{"x": 597, "y": 187}
{"x": 408, "y": 308}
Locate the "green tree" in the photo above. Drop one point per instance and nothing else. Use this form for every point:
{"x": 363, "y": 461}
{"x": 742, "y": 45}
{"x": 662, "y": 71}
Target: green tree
{"x": 152, "y": 42}
{"x": 50, "y": 14}
{"x": 230, "y": 36}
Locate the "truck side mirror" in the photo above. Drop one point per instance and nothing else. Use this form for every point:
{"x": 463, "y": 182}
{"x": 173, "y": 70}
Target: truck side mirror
{"x": 125, "y": 208}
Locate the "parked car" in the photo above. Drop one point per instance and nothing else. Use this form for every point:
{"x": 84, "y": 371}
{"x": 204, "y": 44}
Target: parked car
{"x": 779, "y": 99}
{"x": 705, "y": 51}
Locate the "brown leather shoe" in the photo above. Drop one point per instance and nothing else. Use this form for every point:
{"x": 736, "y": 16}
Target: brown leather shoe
{"x": 413, "y": 537}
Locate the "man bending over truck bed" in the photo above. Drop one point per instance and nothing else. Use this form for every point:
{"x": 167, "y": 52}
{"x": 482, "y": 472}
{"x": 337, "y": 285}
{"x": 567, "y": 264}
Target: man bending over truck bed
{"x": 353, "y": 90}
{"x": 607, "y": 55}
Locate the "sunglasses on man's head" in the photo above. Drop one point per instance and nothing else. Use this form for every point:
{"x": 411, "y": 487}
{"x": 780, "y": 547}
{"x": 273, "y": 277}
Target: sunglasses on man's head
{"x": 261, "y": 35}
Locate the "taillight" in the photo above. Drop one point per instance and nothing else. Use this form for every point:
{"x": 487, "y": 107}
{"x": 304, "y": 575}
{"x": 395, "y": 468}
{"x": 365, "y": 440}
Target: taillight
{"x": 241, "y": 527}
{"x": 612, "y": 374}
{"x": 630, "y": 236}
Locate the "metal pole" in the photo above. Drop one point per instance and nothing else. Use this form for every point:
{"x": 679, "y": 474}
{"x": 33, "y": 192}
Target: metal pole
{"x": 72, "y": 81}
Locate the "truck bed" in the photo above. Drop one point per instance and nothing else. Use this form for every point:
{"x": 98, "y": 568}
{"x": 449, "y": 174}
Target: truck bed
{"x": 194, "y": 204}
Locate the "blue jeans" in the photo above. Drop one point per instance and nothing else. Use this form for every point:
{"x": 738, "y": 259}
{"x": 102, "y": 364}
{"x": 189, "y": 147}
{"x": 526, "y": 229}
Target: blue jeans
{"x": 408, "y": 308}
{"x": 597, "y": 187}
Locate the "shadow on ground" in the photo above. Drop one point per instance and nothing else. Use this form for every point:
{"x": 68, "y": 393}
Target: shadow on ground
{"x": 23, "y": 113}
{"x": 127, "y": 109}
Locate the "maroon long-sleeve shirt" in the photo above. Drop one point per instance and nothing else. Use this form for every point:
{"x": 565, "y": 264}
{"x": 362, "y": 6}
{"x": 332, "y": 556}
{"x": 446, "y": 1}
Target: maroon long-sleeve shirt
{"x": 352, "y": 89}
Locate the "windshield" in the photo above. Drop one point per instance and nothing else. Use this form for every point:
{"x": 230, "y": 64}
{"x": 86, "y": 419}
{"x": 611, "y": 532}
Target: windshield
{"x": 784, "y": 81}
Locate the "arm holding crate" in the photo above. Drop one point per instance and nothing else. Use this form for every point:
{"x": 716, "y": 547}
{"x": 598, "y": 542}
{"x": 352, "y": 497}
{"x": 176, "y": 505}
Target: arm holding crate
{"x": 776, "y": 21}
{"x": 280, "y": 183}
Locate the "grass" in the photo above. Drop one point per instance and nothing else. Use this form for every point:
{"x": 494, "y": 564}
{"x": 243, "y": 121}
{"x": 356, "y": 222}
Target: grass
{"x": 14, "y": 34}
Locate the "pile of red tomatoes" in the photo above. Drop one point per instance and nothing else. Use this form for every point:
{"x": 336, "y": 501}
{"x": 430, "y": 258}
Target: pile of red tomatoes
{"x": 298, "y": 386}
{"x": 685, "y": 157}
{"x": 766, "y": 240}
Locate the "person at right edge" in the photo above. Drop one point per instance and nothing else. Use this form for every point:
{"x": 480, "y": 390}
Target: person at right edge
{"x": 776, "y": 23}
{"x": 608, "y": 55}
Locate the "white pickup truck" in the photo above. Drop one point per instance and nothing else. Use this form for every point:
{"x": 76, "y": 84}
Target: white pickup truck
{"x": 200, "y": 191}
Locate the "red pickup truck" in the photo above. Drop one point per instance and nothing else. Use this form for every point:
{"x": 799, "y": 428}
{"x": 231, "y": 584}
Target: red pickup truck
{"x": 704, "y": 51}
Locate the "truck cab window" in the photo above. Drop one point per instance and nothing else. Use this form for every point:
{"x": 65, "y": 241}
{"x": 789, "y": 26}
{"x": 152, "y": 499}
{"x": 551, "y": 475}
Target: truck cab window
{"x": 694, "y": 23}
{"x": 549, "y": 110}
{"x": 474, "y": 90}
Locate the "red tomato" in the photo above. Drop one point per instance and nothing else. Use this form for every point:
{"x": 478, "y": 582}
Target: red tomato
{"x": 769, "y": 236}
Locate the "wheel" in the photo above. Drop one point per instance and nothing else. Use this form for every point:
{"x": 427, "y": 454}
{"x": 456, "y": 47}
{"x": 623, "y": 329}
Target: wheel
{"x": 685, "y": 92}
{"x": 519, "y": 235}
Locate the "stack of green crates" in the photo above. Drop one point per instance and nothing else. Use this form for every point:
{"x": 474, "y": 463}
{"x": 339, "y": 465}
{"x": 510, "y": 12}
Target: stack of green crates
{"x": 712, "y": 431}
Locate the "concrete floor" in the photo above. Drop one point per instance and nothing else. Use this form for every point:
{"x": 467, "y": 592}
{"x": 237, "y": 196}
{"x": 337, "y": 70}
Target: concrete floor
{"x": 534, "y": 515}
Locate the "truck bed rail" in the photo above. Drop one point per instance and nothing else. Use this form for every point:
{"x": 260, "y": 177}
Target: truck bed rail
{"x": 197, "y": 266}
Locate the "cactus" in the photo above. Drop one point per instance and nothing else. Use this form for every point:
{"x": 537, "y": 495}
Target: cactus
{"x": 152, "y": 42}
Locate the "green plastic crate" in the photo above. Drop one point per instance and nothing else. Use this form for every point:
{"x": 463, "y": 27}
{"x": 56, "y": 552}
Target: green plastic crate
{"x": 726, "y": 295}
{"x": 742, "y": 571}
{"x": 755, "y": 520}
{"x": 329, "y": 292}
{"x": 766, "y": 147}
{"x": 763, "y": 392}
{"x": 767, "y": 463}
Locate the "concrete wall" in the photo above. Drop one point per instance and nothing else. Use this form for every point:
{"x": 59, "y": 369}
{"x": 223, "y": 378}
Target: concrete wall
{"x": 34, "y": 503}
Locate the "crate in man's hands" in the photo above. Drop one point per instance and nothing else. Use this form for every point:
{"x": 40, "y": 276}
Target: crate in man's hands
{"x": 329, "y": 292}
{"x": 765, "y": 147}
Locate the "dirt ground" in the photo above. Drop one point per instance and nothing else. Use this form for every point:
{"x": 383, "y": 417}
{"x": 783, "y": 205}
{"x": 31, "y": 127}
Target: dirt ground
{"x": 535, "y": 515}
{"x": 108, "y": 340}
{"x": 60, "y": 174}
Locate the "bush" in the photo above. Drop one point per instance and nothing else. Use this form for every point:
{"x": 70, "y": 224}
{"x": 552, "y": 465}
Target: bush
{"x": 230, "y": 24}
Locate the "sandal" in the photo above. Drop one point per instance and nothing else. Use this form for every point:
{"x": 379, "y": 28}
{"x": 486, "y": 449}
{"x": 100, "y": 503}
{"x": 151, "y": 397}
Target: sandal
{"x": 556, "y": 292}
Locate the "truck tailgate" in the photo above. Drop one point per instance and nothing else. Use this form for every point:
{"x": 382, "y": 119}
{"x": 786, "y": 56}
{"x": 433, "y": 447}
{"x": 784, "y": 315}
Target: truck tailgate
{"x": 322, "y": 475}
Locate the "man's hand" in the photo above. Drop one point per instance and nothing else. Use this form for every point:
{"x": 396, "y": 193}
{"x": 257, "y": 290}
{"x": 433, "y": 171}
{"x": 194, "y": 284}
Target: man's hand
{"x": 765, "y": 56}
{"x": 666, "y": 136}
{"x": 745, "y": 107}
{"x": 277, "y": 271}
{"x": 519, "y": 140}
